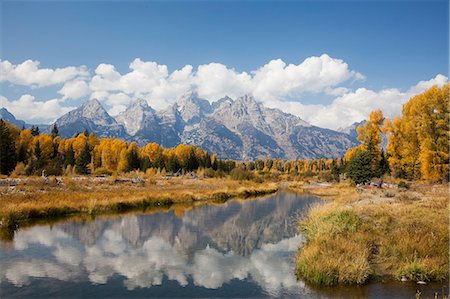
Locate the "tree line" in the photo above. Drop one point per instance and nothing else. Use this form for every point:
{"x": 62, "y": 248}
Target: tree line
{"x": 417, "y": 148}
{"x": 26, "y": 152}
{"x": 418, "y": 141}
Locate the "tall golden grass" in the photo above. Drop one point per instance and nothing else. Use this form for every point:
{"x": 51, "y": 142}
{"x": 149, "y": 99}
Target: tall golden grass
{"x": 34, "y": 200}
{"x": 359, "y": 236}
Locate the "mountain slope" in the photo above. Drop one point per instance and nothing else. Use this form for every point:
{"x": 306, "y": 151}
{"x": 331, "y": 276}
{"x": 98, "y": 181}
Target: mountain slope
{"x": 90, "y": 116}
{"x": 7, "y": 116}
{"x": 240, "y": 129}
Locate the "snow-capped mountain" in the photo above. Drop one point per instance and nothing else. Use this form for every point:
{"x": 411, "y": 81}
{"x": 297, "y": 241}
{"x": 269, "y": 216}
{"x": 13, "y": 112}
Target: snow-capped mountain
{"x": 90, "y": 116}
{"x": 240, "y": 129}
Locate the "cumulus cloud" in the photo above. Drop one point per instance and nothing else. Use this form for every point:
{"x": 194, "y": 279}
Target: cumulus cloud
{"x": 276, "y": 84}
{"x": 274, "y": 80}
{"x": 28, "y": 73}
{"x": 74, "y": 89}
{"x": 34, "y": 111}
{"x": 352, "y": 106}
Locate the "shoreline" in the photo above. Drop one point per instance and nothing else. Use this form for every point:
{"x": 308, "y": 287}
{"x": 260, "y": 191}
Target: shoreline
{"x": 32, "y": 201}
{"x": 389, "y": 233}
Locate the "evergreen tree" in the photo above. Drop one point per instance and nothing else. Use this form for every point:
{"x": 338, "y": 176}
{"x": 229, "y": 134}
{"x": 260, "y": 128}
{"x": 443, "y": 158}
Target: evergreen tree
{"x": 384, "y": 164}
{"x": 39, "y": 162}
{"x": 35, "y": 131}
{"x": 83, "y": 160}
{"x": 86, "y": 133}
{"x": 7, "y": 149}
{"x": 55, "y": 131}
{"x": 133, "y": 159}
{"x": 191, "y": 161}
{"x": 145, "y": 164}
{"x": 22, "y": 153}
{"x": 207, "y": 162}
{"x": 335, "y": 170}
{"x": 37, "y": 150}
{"x": 172, "y": 164}
{"x": 70, "y": 157}
{"x": 159, "y": 161}
{"x": 214, "y": 163}
{"x": 359, "y": 168}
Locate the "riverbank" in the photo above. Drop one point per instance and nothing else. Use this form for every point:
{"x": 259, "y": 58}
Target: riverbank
{"x": 388, "y": 233}
{"x": 31, "y": 198}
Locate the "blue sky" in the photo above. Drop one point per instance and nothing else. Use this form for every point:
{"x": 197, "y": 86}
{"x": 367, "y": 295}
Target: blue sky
{"x": 393, "y": 45}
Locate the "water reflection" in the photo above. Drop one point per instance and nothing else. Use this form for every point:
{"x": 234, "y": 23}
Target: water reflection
{"x": 251, "y": 242}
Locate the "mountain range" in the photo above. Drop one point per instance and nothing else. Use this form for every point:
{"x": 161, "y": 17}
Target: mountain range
{"x": 240, "y": 129}
{"x": 9, "y": 117}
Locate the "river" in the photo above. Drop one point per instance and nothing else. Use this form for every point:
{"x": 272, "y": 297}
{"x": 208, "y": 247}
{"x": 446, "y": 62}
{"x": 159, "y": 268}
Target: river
{"x": 242, "y": 248}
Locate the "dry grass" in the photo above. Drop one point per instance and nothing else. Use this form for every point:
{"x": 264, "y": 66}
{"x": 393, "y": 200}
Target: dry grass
{"x": 361, "y": 235}
{"x": 32, "y": 199}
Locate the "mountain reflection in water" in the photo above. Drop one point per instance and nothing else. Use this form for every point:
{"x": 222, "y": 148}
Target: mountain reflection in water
{"x": 251, "y": 243}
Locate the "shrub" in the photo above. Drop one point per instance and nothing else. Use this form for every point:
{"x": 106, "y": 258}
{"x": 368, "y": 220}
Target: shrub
{"x": 241, "y": 174}
{"x": 102, "y": 171}
{"x": 19, "y": 170}
{"x": 403, "y": 185}
{"x": 209, "y": 173}
{"x": 327, "y": 176}
{"x": 359, "y": 168}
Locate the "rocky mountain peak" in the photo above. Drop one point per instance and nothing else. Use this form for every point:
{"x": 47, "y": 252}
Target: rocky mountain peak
{"x": 192, "y": 108}
{"x": 238, "y": 129}
{"x": 135, "y": 116}
{"x": 93, "y": 110}
{"x": 140, "y": 103}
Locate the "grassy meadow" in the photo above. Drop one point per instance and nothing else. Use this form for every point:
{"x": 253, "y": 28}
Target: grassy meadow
{"x": 33, "y": 199}
{"x": 376, "y": 234}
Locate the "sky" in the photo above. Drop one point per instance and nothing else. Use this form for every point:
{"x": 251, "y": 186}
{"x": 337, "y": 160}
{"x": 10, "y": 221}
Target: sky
{"x": 329, "y": 62}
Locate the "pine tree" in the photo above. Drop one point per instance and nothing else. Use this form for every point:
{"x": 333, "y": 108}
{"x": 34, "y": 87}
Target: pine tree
{"x": 69, "y": 157}
{"x": 7, "y": 149}
{"x": 145, "y": 164}
{"x": 133, "y": 157}
{"x": 37, "y": 150}
{"x": 22, "y": 153}
{"x": 359, "y": 169}
{"x": 35, "y": 131}
{"x": 83, "y": 160}
{"x": 54, "y": 131}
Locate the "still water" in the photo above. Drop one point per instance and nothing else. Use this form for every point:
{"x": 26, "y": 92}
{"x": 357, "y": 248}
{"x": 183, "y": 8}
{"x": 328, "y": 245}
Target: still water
{"x": 236, "y": 249}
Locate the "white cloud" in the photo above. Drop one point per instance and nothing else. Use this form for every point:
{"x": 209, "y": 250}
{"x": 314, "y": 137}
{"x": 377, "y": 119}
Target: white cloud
{"x": 356, "y": 105}
{"x": 215, "y": 80}
{"x": 118, "y": 102}
{"x": 274, "y": 80}
{"x": 29, "y": 109}
{"x": 74, "y": 89}
{"x": 424, "y": 85}
{"x": 28, "y": 73}
{"x": 276, "y": 84}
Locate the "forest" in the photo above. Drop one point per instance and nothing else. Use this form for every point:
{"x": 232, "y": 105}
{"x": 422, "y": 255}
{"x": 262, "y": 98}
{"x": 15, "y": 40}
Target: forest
{"x": 417, "y": 148}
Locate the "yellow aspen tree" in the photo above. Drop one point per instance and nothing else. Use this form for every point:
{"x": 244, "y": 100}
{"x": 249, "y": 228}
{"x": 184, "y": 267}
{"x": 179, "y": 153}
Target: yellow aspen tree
{"x": 46, "y": 146}
{"x": 392, "y": 129}
{"x": 123, "y": 161}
